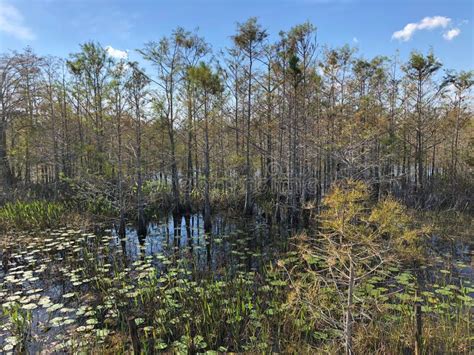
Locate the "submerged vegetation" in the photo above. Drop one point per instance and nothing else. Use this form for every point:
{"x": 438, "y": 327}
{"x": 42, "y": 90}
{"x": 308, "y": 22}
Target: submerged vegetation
{"x": 277, "y": 196}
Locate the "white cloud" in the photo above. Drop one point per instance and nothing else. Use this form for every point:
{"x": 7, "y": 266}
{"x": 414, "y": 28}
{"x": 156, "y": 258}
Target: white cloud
{"x": 428, "y": 23}
{"x": 449, "y": 35}
{"x": 116, "y": 53}
{"x": 11, "y": 22}
{"x": 355, "y": 40}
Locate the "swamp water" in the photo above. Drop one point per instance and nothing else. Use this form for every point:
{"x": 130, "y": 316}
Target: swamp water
{"x": 51, "y": 282}
{"x": 46, "y": 278}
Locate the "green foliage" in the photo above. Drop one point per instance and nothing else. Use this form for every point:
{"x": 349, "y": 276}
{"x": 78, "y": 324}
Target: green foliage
{"x": 420, "y": 67}
{"x": 19, "y": 322}
{"x": 204, "y": 78}
{"x": 445, "y": 308}
{"x": 99, "y": 206}
{"x": 27, "y": 215}
{"x": 227, "y": 313}
{"x": 249, "y": 35}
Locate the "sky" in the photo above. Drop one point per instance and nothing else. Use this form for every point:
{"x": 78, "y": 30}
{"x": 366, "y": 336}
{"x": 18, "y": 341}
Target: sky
{"x": 375, "y": 27}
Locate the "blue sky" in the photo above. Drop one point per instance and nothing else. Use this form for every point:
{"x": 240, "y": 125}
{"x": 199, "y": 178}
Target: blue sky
{"x": 57, "y": 27}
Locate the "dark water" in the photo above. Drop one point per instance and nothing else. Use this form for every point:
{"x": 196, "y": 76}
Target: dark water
{"x": 231, "y": 241}
{"x": 455, "y": 256}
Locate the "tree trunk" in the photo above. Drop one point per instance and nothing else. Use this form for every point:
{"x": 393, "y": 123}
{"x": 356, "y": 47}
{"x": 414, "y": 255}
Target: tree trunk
{"x": 121, "y": 231}
{"x": 207, "y": 202}
{"x": 174, "y": 170}
{"x": 418, "y": 330}
{"x": 248, "y": 183}
{"x": 189, "y": 172}
{"x": 348, "y": 323}
{"x": 6, "y": 173}
{"x": 141, "y": 230}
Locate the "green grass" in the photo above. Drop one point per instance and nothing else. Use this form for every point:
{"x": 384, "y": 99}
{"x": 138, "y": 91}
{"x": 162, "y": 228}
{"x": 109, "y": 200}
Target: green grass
{"x": 31, "y": 215}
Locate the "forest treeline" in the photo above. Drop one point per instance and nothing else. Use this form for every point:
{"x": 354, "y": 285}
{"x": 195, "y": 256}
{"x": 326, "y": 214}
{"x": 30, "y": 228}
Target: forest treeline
{"x": 262, "y": 122}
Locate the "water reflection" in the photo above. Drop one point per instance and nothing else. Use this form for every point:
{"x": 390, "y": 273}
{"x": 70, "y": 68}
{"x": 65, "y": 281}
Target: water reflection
{"x": 231, "y": 242}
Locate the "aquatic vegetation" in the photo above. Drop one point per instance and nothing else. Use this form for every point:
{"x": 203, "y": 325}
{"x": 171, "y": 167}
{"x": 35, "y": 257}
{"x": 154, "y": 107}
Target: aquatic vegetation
{"x": 166, "y": 294}
{"x": 73, "y": 290}
{"x": 385, "y": 306}
{"x": 31, "y": 215}
{"x": 19, "y": 325}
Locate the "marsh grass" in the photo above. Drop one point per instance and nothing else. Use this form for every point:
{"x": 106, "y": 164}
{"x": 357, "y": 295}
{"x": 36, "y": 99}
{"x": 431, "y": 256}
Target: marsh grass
{"x": 175, "y": 311}
{"x": 31, "y": 215}
{"x": 446, "y": 317}
{"x": 19, "y": 322}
